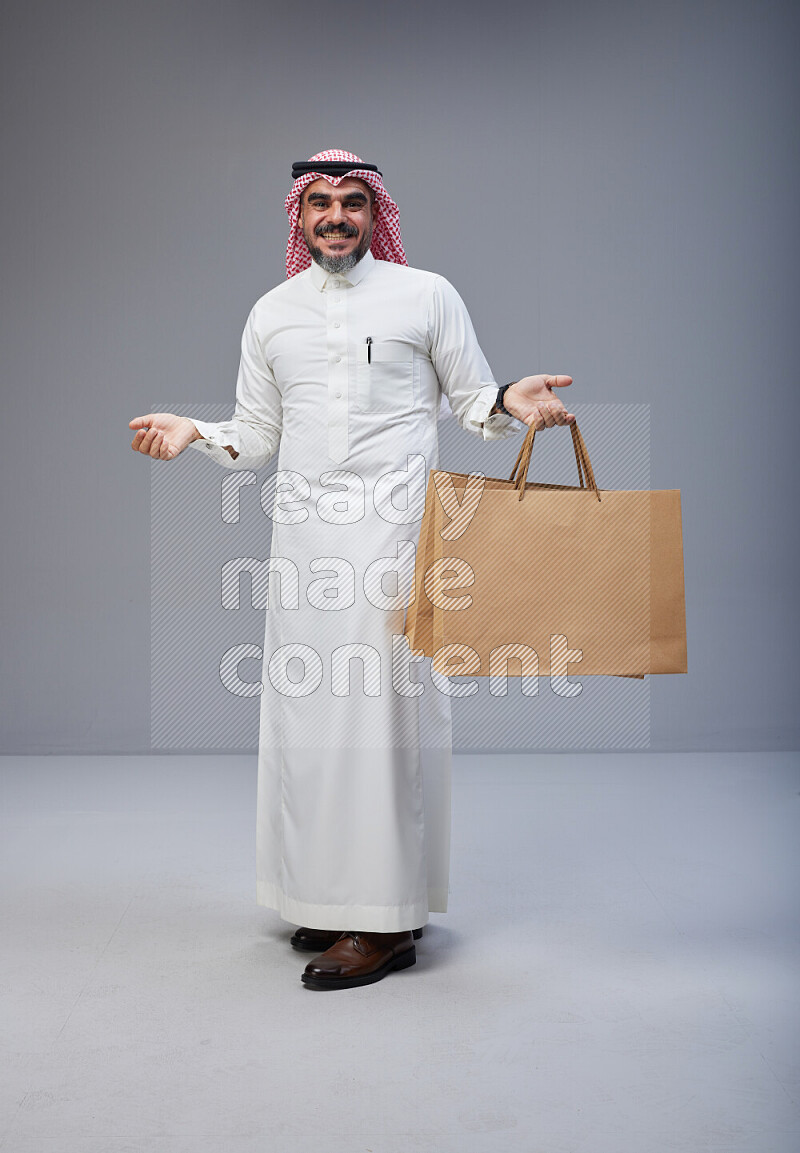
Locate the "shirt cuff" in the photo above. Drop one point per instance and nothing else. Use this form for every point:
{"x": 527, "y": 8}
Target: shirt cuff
{"x": 492, "y": 427}
{"x": 213, "y": 443}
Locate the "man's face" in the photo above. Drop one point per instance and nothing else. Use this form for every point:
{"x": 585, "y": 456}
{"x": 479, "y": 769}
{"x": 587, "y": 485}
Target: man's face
{"x": 337, "y": 222}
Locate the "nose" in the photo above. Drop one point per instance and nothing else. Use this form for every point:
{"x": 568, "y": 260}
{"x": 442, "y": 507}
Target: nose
{"x": 336, "y": 212}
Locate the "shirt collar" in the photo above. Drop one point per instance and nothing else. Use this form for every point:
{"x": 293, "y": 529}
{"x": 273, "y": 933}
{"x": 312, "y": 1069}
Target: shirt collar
{"x": 320, "y": 278}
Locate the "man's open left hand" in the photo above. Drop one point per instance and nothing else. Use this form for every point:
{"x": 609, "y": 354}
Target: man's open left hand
{"x": 532, "y": 399}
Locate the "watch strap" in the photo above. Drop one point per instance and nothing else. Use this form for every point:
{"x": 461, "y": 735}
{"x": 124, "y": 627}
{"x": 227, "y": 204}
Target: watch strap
{"x": 500, "y": 394}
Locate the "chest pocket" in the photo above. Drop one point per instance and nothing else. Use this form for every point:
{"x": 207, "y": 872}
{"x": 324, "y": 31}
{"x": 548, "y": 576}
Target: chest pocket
{"x": 384, "y": 376}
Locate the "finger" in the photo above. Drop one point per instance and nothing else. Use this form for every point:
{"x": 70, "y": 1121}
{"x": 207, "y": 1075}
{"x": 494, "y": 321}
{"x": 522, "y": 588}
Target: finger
{"x": 142, "y": 440}
{"x": 557, "y": 381}
{"x": 561, "y": 415}
{"x": 137, "y": 440}
{"x": 564, "y": 418}
{"x": 536, "y": 420}
{"x": 547, "y": 416}
{"x": 147, "y": 440}
{"x": 155, "y": 446}
{"x": 142, "y": 421}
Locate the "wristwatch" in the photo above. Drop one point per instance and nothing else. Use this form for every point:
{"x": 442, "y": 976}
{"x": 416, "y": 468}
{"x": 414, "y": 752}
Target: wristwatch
{"x": 499, "y": 402}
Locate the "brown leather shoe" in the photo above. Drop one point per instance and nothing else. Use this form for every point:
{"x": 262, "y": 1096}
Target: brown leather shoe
{"x": 318, "y": 940}
{"x": 360, "y": 959}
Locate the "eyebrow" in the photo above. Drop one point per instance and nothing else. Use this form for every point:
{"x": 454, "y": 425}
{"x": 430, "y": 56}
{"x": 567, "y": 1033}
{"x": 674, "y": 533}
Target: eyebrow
{"x": 325, "y": 196}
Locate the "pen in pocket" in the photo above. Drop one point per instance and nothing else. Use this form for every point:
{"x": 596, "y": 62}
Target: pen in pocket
{"x": 369, "y": 350}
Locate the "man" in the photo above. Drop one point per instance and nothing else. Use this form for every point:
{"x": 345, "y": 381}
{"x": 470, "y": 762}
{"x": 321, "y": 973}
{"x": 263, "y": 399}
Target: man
{"x": 343, "y": 366}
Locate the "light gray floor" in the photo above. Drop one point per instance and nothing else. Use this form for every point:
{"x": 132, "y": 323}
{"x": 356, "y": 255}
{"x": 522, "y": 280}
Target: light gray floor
{"x": 618, "y": 971}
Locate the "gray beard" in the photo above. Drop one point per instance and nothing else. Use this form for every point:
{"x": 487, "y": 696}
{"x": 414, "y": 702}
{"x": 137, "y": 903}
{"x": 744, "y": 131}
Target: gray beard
{"x": 341, "y": 263}
{"x": 336, "y": 263}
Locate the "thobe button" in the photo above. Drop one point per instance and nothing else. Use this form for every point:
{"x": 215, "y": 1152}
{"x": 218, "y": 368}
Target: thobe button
{"x": 338, "y": 360}
{"x": 338, "y": 396}
{"x": 337, "y": 325}
{"x": 336, "y": 284}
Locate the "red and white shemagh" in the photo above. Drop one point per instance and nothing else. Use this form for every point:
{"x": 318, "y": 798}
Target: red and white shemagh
{"x": 386, "y": 242}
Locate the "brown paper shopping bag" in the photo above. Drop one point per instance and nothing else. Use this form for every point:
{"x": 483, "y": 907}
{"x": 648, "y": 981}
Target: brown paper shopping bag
{"x": 518, "y": 578}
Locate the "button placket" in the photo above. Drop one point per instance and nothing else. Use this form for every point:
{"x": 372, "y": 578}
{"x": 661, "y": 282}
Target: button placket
{"x": 337, "y": 374}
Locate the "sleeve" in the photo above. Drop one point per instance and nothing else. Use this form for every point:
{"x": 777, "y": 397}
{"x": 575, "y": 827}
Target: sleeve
{"x": 254, "y": 431}
{"x": 465, "y": 377}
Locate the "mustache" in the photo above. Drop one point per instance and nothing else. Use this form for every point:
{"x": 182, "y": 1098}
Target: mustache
{"x": 343, "y": 230}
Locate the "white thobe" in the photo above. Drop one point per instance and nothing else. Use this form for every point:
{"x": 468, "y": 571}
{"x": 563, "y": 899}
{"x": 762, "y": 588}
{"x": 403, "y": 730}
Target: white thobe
{"x": 345, "y": 372}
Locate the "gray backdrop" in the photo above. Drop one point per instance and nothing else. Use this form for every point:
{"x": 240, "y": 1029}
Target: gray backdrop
{"x": 611, "y": 187}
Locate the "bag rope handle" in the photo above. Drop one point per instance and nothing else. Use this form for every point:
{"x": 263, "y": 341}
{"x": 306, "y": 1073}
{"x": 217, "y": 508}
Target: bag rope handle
{"x": 519, "y": 473}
